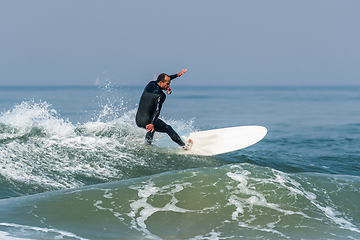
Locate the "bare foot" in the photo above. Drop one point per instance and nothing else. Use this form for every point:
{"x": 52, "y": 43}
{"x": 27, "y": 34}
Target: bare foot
{"x": 188, "y": 144}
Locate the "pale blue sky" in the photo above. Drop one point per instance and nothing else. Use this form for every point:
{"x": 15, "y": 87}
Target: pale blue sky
{"x": 220, "y": 42}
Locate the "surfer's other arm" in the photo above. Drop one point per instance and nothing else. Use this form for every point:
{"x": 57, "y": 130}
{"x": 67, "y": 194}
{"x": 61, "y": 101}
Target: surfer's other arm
{"x": 177, "y": 74}
{"x": 182, "y": 72}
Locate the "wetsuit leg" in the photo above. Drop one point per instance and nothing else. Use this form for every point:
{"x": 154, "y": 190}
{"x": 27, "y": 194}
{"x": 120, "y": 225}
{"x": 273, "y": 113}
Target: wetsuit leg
{"x": 149, "y": 137}
{"x": 161, "y": 126}
{"x": 141, "y": 121}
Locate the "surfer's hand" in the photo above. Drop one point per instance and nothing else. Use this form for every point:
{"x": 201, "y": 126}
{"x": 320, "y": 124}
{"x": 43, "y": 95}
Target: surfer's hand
{"x": 182, "y": 72}
{"x": 150, "y": 127}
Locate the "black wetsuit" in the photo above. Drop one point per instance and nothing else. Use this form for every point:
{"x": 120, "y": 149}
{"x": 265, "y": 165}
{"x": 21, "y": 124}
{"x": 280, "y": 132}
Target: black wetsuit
{"x": 149, "y": 110}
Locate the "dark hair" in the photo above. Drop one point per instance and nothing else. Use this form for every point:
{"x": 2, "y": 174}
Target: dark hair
{"x": 161, "y": 77}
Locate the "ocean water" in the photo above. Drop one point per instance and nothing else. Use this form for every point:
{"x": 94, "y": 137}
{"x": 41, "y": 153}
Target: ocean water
{"x": 73, "y": 165}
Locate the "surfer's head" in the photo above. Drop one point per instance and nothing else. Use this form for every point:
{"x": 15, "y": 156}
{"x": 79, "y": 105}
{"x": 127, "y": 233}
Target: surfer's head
{"x": 163, "y": 81}
{"x": 161, "y": 77}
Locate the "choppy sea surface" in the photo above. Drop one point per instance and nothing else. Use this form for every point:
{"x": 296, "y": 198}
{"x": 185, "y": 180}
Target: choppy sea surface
{"x": 73, "y": 165}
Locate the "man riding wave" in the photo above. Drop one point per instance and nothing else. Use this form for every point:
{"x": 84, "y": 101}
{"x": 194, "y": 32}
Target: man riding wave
{"x": 149, "y": 109}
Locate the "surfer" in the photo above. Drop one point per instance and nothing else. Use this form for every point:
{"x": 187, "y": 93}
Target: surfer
{"x": 149, "y": 109}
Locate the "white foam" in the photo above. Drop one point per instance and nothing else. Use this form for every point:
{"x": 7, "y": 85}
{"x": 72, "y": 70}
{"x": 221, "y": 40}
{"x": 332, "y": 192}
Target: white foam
{"x": 244, "y": 196}
{"x": 213, "y": 235}
{"x": 27, "y": 115}
{"x": 145, "y": 191}
{"x": 26, "y": 230}
{"x": 20, "y": 161}
{"x": 6, "y": 236}
{"x": 255, "y": 198}
{"x": 61, "y": 140}
{"x": 296, "y": 189}
{"x": 239, "y": 209}
{"x": 333, "y": 215}
{"x": 53, "y": 161}
{"x": 108, "y": 195}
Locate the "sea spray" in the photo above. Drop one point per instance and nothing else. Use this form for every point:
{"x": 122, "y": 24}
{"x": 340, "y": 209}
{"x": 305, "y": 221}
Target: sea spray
{"x": 41, "y": 151}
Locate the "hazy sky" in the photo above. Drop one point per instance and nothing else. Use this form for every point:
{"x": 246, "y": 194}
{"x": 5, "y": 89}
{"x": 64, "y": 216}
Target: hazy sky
{"x": 227, "y": 42}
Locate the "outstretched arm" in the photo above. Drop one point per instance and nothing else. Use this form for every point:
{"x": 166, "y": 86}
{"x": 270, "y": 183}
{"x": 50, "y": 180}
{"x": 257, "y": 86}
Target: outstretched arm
{"x": 182, "y": 72}
{"x": 178, "y": 74}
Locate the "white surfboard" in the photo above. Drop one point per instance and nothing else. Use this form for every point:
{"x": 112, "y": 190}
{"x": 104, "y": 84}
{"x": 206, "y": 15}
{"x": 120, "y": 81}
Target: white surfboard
{"x": 218, "y": 141}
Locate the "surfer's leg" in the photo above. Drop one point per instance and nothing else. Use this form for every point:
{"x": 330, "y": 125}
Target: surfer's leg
{"x": 149, "y": 137}
{"x": 141, "y": 121}
{"x": 161, "y": 126}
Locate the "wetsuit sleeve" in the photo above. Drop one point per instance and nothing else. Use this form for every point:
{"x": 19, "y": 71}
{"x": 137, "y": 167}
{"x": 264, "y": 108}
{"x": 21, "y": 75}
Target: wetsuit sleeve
{"x": 173, "y": 76}
{"x": 158, "y": 105}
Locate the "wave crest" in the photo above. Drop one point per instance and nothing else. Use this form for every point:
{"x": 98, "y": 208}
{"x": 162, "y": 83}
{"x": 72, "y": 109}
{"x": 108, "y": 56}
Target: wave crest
{"x": 40, "y": 151}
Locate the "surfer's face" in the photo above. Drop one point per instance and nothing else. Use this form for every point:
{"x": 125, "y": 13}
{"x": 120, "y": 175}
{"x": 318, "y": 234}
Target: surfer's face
{"x": 165, "y": 84}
